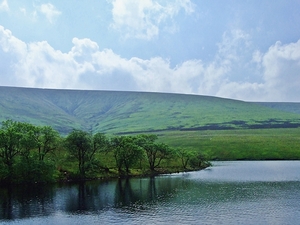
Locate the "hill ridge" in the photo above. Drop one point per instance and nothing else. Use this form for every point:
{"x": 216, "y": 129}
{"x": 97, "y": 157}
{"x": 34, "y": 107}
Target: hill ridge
{"x": 132, "y": 112}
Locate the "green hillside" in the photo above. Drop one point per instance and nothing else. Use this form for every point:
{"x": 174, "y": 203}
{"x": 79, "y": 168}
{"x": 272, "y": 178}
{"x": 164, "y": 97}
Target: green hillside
{"x": 133, "y": 112}
{"x": 283, "y": 106}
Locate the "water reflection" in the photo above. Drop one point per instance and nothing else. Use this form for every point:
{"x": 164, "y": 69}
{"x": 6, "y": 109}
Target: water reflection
{"x": 6, "y": 203}
{"x": 25, "y": 201}
{"x": 224, "y": 193}
{"x": 124, "y": 194}
{"x": 141, "y": 192}
{"x": 83, "y": 198}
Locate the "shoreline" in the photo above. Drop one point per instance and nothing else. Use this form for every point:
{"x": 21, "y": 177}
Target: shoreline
{"x": 103, "y": 178}
{"x": 128, "y": 176}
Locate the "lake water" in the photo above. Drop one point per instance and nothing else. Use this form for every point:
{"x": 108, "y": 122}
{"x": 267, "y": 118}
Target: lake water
{"x": 244, "y": 192}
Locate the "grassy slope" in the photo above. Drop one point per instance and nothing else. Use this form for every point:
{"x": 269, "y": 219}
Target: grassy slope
{"x": 115, "y": 112}
{"x": 177, "y": 119}
{"x": 30, "y": 105}
{"x": 247, "y": 144}
{"x": 293, "y": 107}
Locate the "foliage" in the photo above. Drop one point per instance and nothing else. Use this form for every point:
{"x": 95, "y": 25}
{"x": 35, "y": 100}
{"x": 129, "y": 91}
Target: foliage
{"x": 185, "y": 156}
{"x": 153, "y": 152}
{"x": 197, "y": 160}
{"x": 83, "y": 146}
{"x": 10, "y": 145}
{"x": 126, "y": 152}
{"x": 48, "y": 141}
{"x": 18, "y": 142}
{"x": 31, "y": 153}
{"x": 33, "y": 170}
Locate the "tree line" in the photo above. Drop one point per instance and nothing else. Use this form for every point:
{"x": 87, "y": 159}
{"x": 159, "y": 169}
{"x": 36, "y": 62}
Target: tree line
{"x": 30, "y": 153}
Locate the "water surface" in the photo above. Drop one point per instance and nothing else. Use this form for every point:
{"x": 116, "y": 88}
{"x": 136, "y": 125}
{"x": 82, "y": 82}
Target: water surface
{"x": 244, "y": 192}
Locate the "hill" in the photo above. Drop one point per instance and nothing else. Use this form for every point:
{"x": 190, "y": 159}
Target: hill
{"x": 133, "y": 112}
{"x": 293, "y": 107}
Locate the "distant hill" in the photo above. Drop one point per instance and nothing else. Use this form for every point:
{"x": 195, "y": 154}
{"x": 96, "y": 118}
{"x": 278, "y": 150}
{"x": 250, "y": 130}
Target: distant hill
{"x": 133, "y": 112}
{"x": 293, "y": 107}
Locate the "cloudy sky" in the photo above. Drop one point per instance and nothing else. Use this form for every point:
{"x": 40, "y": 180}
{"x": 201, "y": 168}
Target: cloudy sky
{"x": 247, "y": 50}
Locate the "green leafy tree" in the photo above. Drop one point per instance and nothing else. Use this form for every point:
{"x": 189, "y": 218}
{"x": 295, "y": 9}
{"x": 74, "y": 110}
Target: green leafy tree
{"x": 79, "y": 145}
{"x": 99, "y": 144}
{"x": 126, "y": 152}
{"x": 185, "y": 156}
{"x": 116, "y": 145}
{"x": 28, "y": 140}
{"x": 25, "y": 165}
{"x": 156, "y": 152}
{"x": 198, "y": 161}
{"x": 19, "y": 142}
{"x": 47, "y": 141}
{"x": 83, "y": 146}
{"x": 10, "y": 146}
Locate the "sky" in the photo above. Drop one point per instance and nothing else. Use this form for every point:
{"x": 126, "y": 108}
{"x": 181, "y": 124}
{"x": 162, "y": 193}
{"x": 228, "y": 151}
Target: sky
{"x": 247, "y": 50}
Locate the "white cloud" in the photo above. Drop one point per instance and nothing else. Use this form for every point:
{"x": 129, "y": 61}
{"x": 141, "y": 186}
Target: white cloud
{"x": 12, "y": 50}
{"x": 157, "y": 75}
{"x": 281, "y": 65}
{"x": 233, "y": 45}
{"x": 217, "y": 74}
{"x": 243, "y": 91}
{"x": 49, "y": 11}
{"x": 4, "y": 6}
{"x": 279, "y": 68}
{"x": 10, "y": 44}
{"x": 143, "y": 19}
{"x": 85, "y": 66}
{"x": 45, "y": 67}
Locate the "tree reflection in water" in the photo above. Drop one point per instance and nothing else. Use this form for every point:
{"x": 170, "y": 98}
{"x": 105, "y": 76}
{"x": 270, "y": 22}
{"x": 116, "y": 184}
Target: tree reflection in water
{"x": 6, "y": 203}
{"x": 83, "y": 198}
{"x": 124, "y": 195}
{"x": 26, "y": 201}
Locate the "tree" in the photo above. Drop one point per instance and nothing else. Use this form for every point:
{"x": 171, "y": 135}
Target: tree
{"x": 28, "y": 141}
{"x": 126, "y": 152}
{"x": 99, "y": 144}
{"x": 18, "y": 144}
{"x": 47, "y": 141}
{"x": 116, "y": 145}
{"x": 198, "y": 161}
{"x": 10, "y": 144}
{"x": 83, "y": 146}
{"x": 185, "y": 156}
{"x": 79, "y": 144}
{"x": 162, "y": 152}
{"x": 156, "y": 152}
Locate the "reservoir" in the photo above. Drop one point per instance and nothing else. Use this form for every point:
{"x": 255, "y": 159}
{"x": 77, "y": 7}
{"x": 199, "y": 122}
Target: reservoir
{"x": 231, "y": 192}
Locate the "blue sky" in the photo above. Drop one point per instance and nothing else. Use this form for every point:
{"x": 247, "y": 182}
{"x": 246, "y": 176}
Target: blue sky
{"x": 247, "y": 50}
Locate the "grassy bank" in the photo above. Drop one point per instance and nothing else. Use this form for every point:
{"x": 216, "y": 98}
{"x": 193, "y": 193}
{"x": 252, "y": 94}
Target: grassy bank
{"x": 107, "y": 168}
{"x": 247, "y": 144}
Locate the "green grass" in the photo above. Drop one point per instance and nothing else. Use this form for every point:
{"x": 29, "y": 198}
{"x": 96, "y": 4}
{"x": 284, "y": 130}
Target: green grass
{"x": 249, "y": 144}
{"x": 282, "y": 106}
{"x": 186, "y": 121}
{"x": 124, "y": 112}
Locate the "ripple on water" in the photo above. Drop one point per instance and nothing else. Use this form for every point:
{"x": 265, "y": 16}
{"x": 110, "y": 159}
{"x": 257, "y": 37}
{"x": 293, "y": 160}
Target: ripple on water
{"x": 227, "y": 193}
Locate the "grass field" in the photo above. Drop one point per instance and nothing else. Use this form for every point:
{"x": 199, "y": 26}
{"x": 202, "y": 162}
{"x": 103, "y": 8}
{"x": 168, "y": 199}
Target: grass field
{"x": 247, "y": 144}
{"x": 222, "y": 128}
{"x": 115, "y": 112}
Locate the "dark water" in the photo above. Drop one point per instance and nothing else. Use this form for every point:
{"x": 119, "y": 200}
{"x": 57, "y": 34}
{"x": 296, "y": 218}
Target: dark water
{"x": 264, "y": 192}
